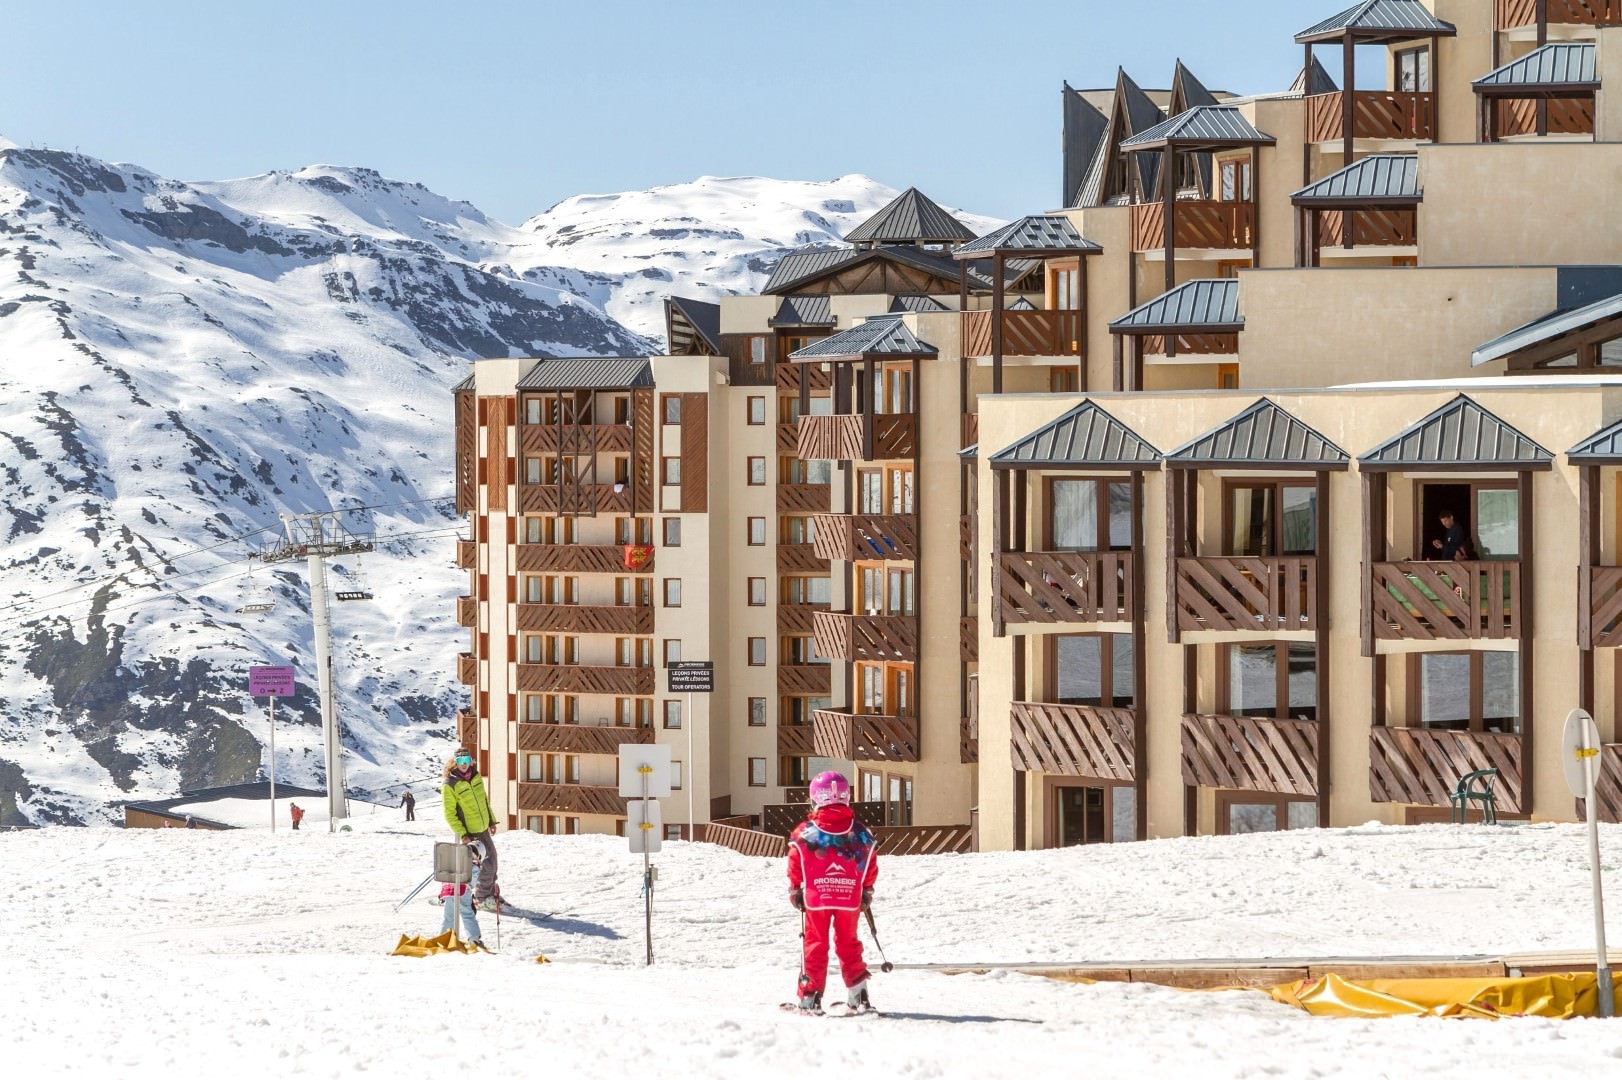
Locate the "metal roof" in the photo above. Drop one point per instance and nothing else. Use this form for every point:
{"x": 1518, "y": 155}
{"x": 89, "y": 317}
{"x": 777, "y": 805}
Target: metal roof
{"x": 1375, "y": 178}
{"x": 916, "y": 302}
{"x": 1204, "y": 125}
{"x": 911, "y": 217}
{"x": 970, "y": 452}
{"x": 704, "y": 318}
{"x": 1038, "y": 234}
{"x": 1262, "y": 435}
{"x": 1603, "y": 447}
{"x": 1131, "y": 111}
{"x": 884, "y": 336}
{"x": 588, "y": 373}
{"x": 1314, "y": 79}
{"x": 1547, "y": 328}
{"x": 797, "y": 265}
{"x": 1086, "y": 436}
{"x": 1187, "y": 92}
{"x": 1558, "y": 64}
{"x": 803, "y": 311}
{"x": 799, "y": 268}
{"x": 1205, "y": 303}
{"x": 1460, "y": 433}
{"x": 1390, "y": 20}
{"x": 463, "y": 386}
{"x": 1022, "y": 304}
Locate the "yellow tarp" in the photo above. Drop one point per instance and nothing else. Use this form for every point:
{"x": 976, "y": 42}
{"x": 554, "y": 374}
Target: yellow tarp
{"x": 1558, "y": 997}
{"x": 421, "y": 946}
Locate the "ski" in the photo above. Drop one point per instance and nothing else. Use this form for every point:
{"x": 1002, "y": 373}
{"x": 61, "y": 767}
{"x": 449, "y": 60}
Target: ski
{"x": 796, "y": 1007}
{"x": 845, "y": 1012}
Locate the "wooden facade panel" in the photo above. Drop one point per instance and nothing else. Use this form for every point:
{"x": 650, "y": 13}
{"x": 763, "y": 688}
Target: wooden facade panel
{"x": 1440, "y": 601}
{"x": 1519, "y": 116}
{"x": 1608, "y": 784}
{"x": 1370, "y": 228}
{"x": 798, "y": 619}
{"x": 642, "y": 463}
{"x": 800, "y": 559}
{"x": 866, "y": 536}
{"x": 574, "y": 500}
{"x": 866, "y": 637}
{"x": 467, "y": 452}
{"x": 803, "y": 498}
{"x": 779, "y": 819}
{"x": 852, "y": 737}
{"x": 1240, "y": 593}
{"x": 498, "y": 414}
{"x": 579, "y": 738}
{"x": 744, "y": 841}
{"x": 788, "y": 377}
{"x": 1376, "y": 114}
{"x": 1514, "y": 14}
{"x": 467, "y": 669}
{"x": 467, "y": 554}
{"x": 1251, "y": 753}
{"x": 576, "y": 439}
{"x": 621, "y": 619}
{"x": 804, "y": 680}
{"x": 1198, "y": 223}
{"x": 839, "y": 438}
{"x": 788, "y": 439}
{"x": 1421, "y": 767}
{"x": 1025, "y": 333}
{"x": 1073, "y": 740}
{"x": 796, "y": 740}
{"x": 570, "y": 799}
{"x": 968, "y": 742}
{"x": 577, "y": 679}
{"x": 467, "y": 610}
{"x": 1193, "y": 344}
{"x": 578, "y": 559}
{"x": 695, "y": 453}
{"x": 467, "y": 729}
{"x": 968, "y": 639}
{"x": 1066, "y": 587}
{"x": 1604, "y": 613}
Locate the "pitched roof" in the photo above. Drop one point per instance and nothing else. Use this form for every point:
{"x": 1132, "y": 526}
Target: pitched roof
{"x": 687, "y": 320}
{"x": 464, "y": 386}
{"x": 803, "y": 311}
{"x": 1459, "y": 434}
{"x": 1379, "y": 20}
{"x": 1131, "y": 111}
{"x": 1314, "y": 79}
{"x": 1558, "y": 64}
{"x": 1022, "y": 304}
{"x": 1187, "y": 92}
{"x": 1262, "y": 435}
{"x": 1547, "y": 328}
{"x": 799, "y": 268}
{"x": 910, "y": 218}
{"x": 1085, "y": 126}
{"x": 1604, "y": 446}
{"x": 880, "y": 336}
{"x": 1038, "y": 234}
{"x": 1202, "y": 304}
{"x": 1376, "y": 178}
{"x": 1086, "y": 436}
{"x": 1204, "y": 125}
{"x": 916, "y": 302}
{"x": 588, "y": 373}
{"x": 797, "y": 265}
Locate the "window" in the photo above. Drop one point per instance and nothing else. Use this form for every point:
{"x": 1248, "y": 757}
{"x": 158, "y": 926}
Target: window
{"x": 884, "y": 689}
{"x": 633, "y": 530}
{"x": 757, "y": 350}
{"x": 672, "y": 651}
{"x": 793, "y": 470}
{"x": 533, "y": 706}
{"x": 673, "y": 832}
{"x": 672, "y": 532}
{"x": 532, "y": 470}
{"x": 793, "y": 771}
{"x": 1092, "y": 814}
{"x": 1271, "y": 518}
{"x": 633, "y": 652}
{"x": 532, "y": 822}
{"x": 757, "y": 710}
{"x": 797, "y": 530}
{"x": 1277, "y": 680}
{"x": 757, "y": 471}
{"x": 757, "y": 411}
{"x": 1089, "y": 515}
{"x": 1235, "y": 181}
{"x": 1092, "y": 669}
{"x": 532, "y": 529}
{"x": 757, "y": 772}
{"x": 757, "y": 652}
{"x": 1467, "y": 691}
{"x": 806, "y": 590}
{"x": 672, "y": 592}
{"x": 675, "y": 776}
{"x": 1413, "y": 71}
{"x": 757, "y": 592}
{"x": 898, "y": 800}
{"x": 1486, "y": 517}
{"x": 1064, "y": 380}
{"x": 798, "y": 650}
{"x": 673, "y": 715}
{"x": 671, "y": 470}
{"x": 633, "y": 592}
{"x": 1252, "y": 812}
{"x": 871, "y": 785}
{"x": 797, "y": 711}
{"x": 757, "y": 531}
{"x": 672, "y": 408}
{"x": 1064, "y": 286}
{"x": 532, "y": 768}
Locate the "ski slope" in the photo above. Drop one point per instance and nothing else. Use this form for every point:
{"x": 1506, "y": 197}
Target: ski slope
{"x": 177, "y": 953}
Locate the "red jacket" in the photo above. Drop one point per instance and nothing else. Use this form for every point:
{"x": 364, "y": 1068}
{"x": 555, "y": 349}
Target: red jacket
{"x": 833, "y": 858}
{"x": 297, "y": 812}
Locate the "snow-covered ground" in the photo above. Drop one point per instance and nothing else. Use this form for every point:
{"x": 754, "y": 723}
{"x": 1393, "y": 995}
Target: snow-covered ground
{"x": 176, "y": 953}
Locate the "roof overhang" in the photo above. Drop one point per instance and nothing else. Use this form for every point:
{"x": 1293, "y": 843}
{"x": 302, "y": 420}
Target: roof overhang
{"x": 1547, "y": 329}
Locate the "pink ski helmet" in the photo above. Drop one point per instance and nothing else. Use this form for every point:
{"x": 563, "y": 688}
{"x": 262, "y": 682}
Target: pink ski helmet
{"x": 829, "y": 788}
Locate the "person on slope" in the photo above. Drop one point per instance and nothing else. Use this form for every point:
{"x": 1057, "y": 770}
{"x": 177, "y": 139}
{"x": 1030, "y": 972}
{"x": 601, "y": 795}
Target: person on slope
{"x": 458, "y": 899}
{"x": 467, "y": 812}
{"x": 409, "y": 801}
{"x": 832, "y": 864}
{"x": 296, "y": 812}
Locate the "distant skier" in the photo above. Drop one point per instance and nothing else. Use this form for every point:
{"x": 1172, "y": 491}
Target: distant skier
{"x": 409, "y": 801}
{"x": 467, "y": 812}
{"x": 832, "y": 863}
{"x": 459, "y": 899}
{"x": 297, "y": 813}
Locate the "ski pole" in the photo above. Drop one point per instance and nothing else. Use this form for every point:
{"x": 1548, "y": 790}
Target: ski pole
{"x": 886, "y": 966}
{"x": 414, "y": 892}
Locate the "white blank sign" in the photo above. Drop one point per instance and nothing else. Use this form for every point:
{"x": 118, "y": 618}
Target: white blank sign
{"x": 632, "y": 758}
{"x": 651, "y": 839}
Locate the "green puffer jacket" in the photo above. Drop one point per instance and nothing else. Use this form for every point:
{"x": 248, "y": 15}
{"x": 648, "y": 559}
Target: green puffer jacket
{"x": 467, "y": 808}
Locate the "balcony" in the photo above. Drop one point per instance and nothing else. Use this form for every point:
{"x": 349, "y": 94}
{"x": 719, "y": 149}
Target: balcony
{"x": 1604, "y": 612}
{"x": 467, "y": 669}
{"x": 802, "y": 498}
{"x": 575, "y": 679}
{"x": 467, "y": 555}
{"x": 1421, "y": 767}
{"x": 570, "y": 799}
{"x": 1519, "y": 116}
{"x": 1446, "y": 601}
{"x": 866, "y": 536}
{"x": 577, "y": 559}
{"x": 467, "y": 729}
{"x": 1198, "y": 223}
{"x": 1515, "y": 14}
{"x": 796, "y": 740}
{"x": 620, "y": 619}
{"x": 1608, "y": 784}
{"x": 467, "y": 610}
{"x": 1066, "y": 587}
{"x": 796, "y": 619}
{"x": 788, "y": 437}
{"x": 866, "y": 637}
{"x": 839, "y": 438}
{"x": 576, "y": 439}
{"x": 968, "y": 639}
{"x": 579, "y": 738}
{"x": 971, "y": 431}
{"x": 1247, "y": 593}
{"x": 1251, "y": 753}
{"x": 968, "y": 742}
{"x": 579, "y": 500}
{"x": 804, "y": 680}
{"x": 800, "y": 559}
{"x": 1376, "y": 114}
{"x": 1073, "y": 740}
{"x": 849, "y": 737}
{"x": 1025, "y": 333}
{"x": 1193, "y": 344}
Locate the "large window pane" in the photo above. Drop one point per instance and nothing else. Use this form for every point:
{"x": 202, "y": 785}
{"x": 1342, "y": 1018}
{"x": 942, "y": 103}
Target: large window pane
{"x": 1498, "y": 523}
{"x": 1299, "y": 524}
{"x": 1500, "y": 692}
{"x": 1075, "y": 515}
{"x": 1252, "y": 521}
{"x": 1077, "y": 672}
{"x": 1122, "y": 689}
{"x": 1124, "y": 814}
{"x": 1303, "y": 676}
{"x": 1444, "y": 691}
{"x": 1120, "y": 516}
{"x": 1252, "y": 680}
{"x": 1301, "y": 815}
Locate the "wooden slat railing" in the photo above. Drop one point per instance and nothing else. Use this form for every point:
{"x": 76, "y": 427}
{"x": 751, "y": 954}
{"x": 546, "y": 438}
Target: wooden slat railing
{"x": 1422, "y": 767}
{"x": 806, "y": 680}
{"x": 1434, "y": 601}
{"x": 853, "y": 737}
{"x": 1249, "y": 753}
{"x": 787, "y": 437}
{"x": 831, "y": 438}
{"x": 575, "y": 439}
{"x": 467, "y": 452}
{"x": 800, "y": 559}
{"x": 1025, "y": 333}
{"x": 866, "y": 637}
{"x": 1073, "y": 740}
{"x": 789, "y": 375}
{"x": 467, "y": 729}
{"x": 467, "y": 668}
{"x": 965, "y": 538}
{"x": 1370, "y": 228}
{"x": 866, "y": 536}
{"x": 970, "y": 434}
{"x": 1519, "y": 116}
{"x": 580, "y": 738}
{"x": 802, "y": 498}
{"x": 796, "y": 619}
{"x": 779, "y": 819}
{"x": 968, "y": 741}
{"x": 570, "y": 799}
{"x": 574, "y": 499}
{"x": 577, "y": 559}
{"x": 1376, "y": 114}
{"x": 796, "y": 740}
{"x": 968, "y": 639}
{"x": 577, "y": 679}
{"x": 623, "y": 619}
{"x": 744, "y": 841}
{"x": 467, "y": 610}
{"x": 1201, "y": 344}
{"x": 1605, "y": 606}
{"x": 1514, "y": 14}
{"x": 1067, "y": 586}
{"x": 467, "y": 555}
{"x": 924, "y": 839}
{"x": 1608, "y": 784}
{"x": 1199, "y": 223}
{"x": 1243, "y": 593}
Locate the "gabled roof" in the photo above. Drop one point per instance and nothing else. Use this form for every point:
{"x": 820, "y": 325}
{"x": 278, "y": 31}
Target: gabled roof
{"x": 1037, "y": 235}
{"x": 883, "y": 336}
{"x": 1558, "y": 65}
{"x": 1187, "y": 92}
{"x": 1206, "y": 304}
{"x": 1374, "y": 179}
{"x": 804, "y": 263}
{"x": 1022, "y": 304}
{"x": 1263, "y": 436}
{"x": 464, "y": 386}
{"x": 915, "y": 302}
{"x": 689, "y": 322}
{"x": 1379, "y": 20}
{"x": 1547, "y": 328}
{"x": 1604, "y": 447}
{"x": 1459, "y": 435}
{"x": 910, "y": 218}
{"x": 1313, "y": 79}
{"x": 803, "y": 311}
{"x": 799, "y": 269}
{"x": 588, "y": 373}
{"x": 1084, "y": 437}
{"x": 1085, "y": 126}
{"x": 1208, "y": 126}
{"x": 1132, "y": 111}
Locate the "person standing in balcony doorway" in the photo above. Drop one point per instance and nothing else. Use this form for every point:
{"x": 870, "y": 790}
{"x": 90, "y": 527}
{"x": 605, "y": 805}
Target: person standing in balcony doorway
{"x": 467, "y": 812}
{"x": 1452, "y": 544}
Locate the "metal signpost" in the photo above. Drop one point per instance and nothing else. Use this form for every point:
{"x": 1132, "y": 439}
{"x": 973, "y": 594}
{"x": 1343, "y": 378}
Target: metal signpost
{"x": 645, "y": 776}
{"x": 271, "y": 682}
{"x": 1579, "y": 753}
{"x": 690, "y": 677}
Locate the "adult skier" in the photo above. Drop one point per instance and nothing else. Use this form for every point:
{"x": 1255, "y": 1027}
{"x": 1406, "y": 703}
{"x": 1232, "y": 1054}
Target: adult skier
{"x": 832, "y": 864}
{"x": 467, "y": 812}
{"x": 409, "y": 801}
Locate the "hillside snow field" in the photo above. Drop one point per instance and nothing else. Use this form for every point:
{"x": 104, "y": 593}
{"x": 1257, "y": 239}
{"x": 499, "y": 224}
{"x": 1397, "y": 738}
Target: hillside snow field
{"x": 148, "y": 953}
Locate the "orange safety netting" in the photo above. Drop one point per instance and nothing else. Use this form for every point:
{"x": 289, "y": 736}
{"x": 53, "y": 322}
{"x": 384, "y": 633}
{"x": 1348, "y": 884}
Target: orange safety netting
{"x": 431, "y": 946}
{"x": 1558, "y": 997}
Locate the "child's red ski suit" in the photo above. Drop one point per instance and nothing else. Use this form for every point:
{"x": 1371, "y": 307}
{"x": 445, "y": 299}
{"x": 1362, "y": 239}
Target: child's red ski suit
{"x": 832, "y": 858}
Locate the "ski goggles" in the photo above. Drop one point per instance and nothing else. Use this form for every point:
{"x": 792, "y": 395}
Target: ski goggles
{"x": 464, "y": 759}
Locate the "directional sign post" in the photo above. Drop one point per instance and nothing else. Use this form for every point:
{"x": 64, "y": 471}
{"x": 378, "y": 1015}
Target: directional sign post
{"x": 1579, "y": 753}
{"x": 271, "y": 682}
{"x": 645, "y": 775}
{"x": 693, "y": 677}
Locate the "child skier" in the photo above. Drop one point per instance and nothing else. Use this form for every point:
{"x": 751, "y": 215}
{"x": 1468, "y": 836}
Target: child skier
{"x": 467, "y": 812}
{"x": 459, "y": 899}
{"x": 832, "y": 863}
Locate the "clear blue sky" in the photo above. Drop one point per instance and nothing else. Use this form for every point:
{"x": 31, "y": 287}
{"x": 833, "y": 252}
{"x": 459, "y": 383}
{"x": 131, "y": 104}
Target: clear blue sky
{"x": 515, "y": 105}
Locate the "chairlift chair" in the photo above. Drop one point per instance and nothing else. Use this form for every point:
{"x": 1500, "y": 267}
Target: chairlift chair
{"x": 265, "y": 600}
{"x": 361, "y": 592}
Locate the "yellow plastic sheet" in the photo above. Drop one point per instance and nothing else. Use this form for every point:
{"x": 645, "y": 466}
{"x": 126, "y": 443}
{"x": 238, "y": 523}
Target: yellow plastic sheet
{"x": 1558, "y": 997}
{"x": 421, "y": 946}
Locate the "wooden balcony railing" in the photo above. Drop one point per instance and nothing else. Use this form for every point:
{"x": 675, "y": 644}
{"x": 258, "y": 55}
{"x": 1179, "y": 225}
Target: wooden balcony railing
{"x": 1514, "y": 14}
{"x": 787, "y": 437}
{"x": 467, "y": 669}
{"x": 622, "y": 619}
{"x": 805, "y": 680}
{"x": 866, "y": 637}
{"x": 467, "y": 610}
{"x": 575, "y": 439}
{"x": 802, "y": 498}
{"x": 1249, "y": 753}
{"x": 467, "y": 729}
{"x": 1604, "y": 612}
{"x": 1067, "y": 587}
{"x": 467, "y": 554}
{"x": 852, "y": 737}
{"x": 570, "y": 799}
{"x": 866, "y": 536}
{"x": 1376, "y": 114}
{"x": 839, "y": 438}
{"x": 1519, "y": 116}
{"x": 1199, "y": 223}
{"x": 800, "y": 559}
{"x": 579, "y": 738}
{"x": 576, "y": 679}
{"x": 1608, "y": 784}
{"x": 796, "y": 740}
{"x": 1201, "y": 344}
{"x": 1370, "y": 228}
{"x": 1025, "y": 333}
{"x": 796, "y": 619}
{"x": 1422, "y": 767}
{"x": 965, "y": 539}
{"x": 968, "y": 742}
{"x": 744, "y": 841}
{"x": 1240, "y": 593}
{"x": 970, "y": 435}
{"x": 923, "y": 839}
{"x": 1436, "y": 601}
{"x": 968, "y": 639}
{"x": 788, "y": 377}
{"x": 581, "y": 500}
{"x": 779, "y": 819}
{"x": 577, "y": 559}
{"x": 1073, "y": 740}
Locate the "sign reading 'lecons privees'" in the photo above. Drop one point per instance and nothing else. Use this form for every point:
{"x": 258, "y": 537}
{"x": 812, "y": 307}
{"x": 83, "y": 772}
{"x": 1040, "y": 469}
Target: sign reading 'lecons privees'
{"x": 691, "y": 677}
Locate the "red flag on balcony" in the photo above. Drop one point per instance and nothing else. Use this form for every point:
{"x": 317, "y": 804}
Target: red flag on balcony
{"x": 637, "y": 555}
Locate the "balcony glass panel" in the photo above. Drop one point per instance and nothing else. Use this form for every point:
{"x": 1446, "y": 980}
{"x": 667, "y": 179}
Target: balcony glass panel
{"x": 1498, "y": 516}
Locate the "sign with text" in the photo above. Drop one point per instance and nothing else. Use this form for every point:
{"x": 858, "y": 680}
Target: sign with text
{"x": 270, "y": 682}
{"x": 691, "y": 677}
